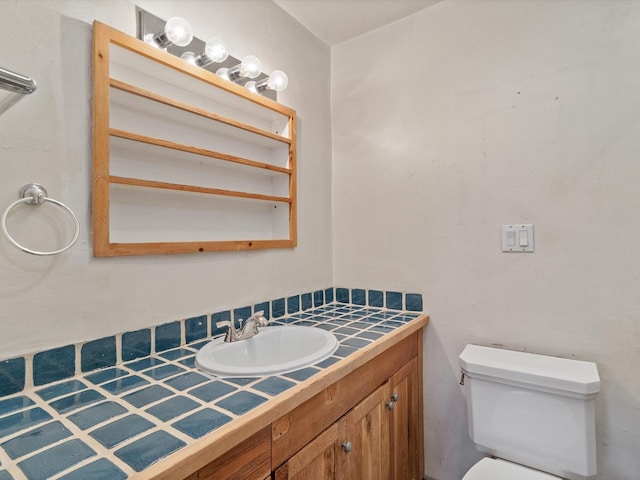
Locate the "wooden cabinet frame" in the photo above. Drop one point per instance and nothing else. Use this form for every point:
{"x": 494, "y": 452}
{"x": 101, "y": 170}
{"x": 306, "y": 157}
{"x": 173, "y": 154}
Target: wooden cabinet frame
{"x": 283, "y": 140}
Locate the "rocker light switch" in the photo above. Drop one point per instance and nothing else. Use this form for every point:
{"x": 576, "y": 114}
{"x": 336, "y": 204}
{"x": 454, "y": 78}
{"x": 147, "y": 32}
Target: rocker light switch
{"x": 517, "y": 238}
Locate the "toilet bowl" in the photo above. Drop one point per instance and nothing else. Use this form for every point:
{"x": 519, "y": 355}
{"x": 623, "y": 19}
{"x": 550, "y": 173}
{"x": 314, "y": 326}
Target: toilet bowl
{"x": 497, "y": 469}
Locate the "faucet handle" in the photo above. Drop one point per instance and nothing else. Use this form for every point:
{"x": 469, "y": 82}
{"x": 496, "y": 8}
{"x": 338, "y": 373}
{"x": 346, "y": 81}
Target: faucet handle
{"x": 224, "y": 323}
{"x": 259, "y": 318}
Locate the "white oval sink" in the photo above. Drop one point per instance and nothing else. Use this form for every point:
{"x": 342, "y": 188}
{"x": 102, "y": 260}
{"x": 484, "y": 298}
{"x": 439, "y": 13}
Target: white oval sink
{"x": 274, "y": 350}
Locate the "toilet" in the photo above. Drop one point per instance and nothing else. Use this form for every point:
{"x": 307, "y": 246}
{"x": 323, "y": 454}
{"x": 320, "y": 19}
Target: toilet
{"x": 533, "y": 414}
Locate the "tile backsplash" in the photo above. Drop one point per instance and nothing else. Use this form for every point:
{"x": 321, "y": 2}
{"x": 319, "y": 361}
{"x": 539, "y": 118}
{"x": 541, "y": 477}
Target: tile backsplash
{"x": 55, "y": 364}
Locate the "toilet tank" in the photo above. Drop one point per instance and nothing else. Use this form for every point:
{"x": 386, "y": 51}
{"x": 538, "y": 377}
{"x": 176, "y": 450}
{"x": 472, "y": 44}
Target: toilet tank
{"x": 534, "y": 410}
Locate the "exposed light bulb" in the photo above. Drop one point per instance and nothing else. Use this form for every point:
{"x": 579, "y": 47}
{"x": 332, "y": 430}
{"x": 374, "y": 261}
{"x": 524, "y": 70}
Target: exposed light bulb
{"x": 278, "y": 81}
{"x": 189, "y": 57}
{"x": 177, "y": 31}
{"x": 216, "y": 50}
{"x": 251, "y": 86}
{"x": 223, "y": 73}
{"x": 250, "y": 67}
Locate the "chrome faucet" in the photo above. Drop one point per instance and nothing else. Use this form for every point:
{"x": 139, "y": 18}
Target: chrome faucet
{"x": 248, "y": 330}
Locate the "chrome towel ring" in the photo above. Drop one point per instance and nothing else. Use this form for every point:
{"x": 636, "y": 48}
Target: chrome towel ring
{"x": 34, "y": 194}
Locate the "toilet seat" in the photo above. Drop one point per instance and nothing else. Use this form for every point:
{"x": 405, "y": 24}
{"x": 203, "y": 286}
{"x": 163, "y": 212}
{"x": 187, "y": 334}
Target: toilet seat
{"x": 498, "y": 469}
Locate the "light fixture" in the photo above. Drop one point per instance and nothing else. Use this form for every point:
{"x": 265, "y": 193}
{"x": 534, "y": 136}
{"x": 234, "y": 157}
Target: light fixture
{"x": 277, "y": 81}
{"x": 177, "y": 31}
{"x": 250, "y": 67}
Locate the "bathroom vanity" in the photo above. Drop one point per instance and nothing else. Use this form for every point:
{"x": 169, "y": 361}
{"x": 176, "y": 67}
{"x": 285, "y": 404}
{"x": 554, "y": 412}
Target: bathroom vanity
{"x": 361, "y": 418}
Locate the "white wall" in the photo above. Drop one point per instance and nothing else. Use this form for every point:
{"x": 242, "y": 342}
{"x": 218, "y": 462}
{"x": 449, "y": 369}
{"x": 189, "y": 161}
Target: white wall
{"x": 472, "y": 114}
{"x": 52, "y": 301}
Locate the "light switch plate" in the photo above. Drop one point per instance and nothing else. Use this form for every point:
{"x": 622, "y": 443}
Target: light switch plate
{"x": 517, "y": 238}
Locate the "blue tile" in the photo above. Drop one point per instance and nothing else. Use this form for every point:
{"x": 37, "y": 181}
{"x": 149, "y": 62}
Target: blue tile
{"x": 376, "y": 298}
{"x": 277, "y": 308}
{"x": 145, "y": 363}
{"x": 318, "y": 298}
{"x": 273, "y": 385}
{"x": 168, "y": 336}
{"x": 356, "y": 342}
{"x": 342, "y": 295}
{"x": 195, "y": 328}
{"x": 413, "y": 302}
{"x": 35, "y": 439}
{"x": 394, "y": 300}
{"x": 148, "y": 450}
{"x": 12, "y": 404}
{"x": 327, "y": 362}
{"x": 293, "y": 304}
{"x": 339, "y": 337}
{"x": 177, "y": 353}
{"x": 22, "y": 421}
{"x": 405, "y": 317}
{"x": 344, "y": 351}
{"x": 242, "y": 381}
{"x": 136, "y": 344}
{"x": 12, "y": 376}
{"x": 328, "y": 295}
{"x": 101, "y": 469}
{"x": 172, "y": 408}
{"x": 264, "y": 308}
{"x": 147, "y": 395}
{"x": 99, "y": 353}
{"x": 224, "y": 316}
{"x": 54, "y": 460}
{"x": 305, "y": 301}
{"x": 163, "y": 371}
{"x": 54, "y": 365}
{"x": 198, "y": 345}
{"x": 358, "y": 296}
{"x": 241, "y": 402}
{"x": 4, "y": 475}
{"x": 327, "y": 326}
{"x": 346, "y": 331}
{"x": 73, "y": 402}
{"x": 382, "y": 328}
{"x": 241, "y": 313}
{"x": 201, "y": 423}
{"x": 61, "y": 389}
{"x": 302, "y": 374}
{"x": 359, "y": 325}
{"x": 370, "y": 335}
{"x": 115, "y": 433}
{"x": 186, "y": 380}
{"x": 382, "y": 315}
{"x": 106, "y": 375}
{"x": 189, "y": 362}
{"x": 124, "y": 384}
{"x": 96, "y": 414}
{"x": 212, "y": 390}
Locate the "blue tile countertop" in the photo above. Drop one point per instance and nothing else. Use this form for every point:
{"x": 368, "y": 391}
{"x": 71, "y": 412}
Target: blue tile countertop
{"x": 113, "y": 423}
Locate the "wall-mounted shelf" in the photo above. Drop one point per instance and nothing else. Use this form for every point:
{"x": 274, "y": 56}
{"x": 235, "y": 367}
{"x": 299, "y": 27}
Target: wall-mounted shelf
{"x": 185, "y": 161}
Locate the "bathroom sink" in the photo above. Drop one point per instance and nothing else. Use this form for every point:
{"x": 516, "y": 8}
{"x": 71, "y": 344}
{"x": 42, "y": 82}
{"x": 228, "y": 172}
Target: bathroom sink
{"x": 274, "y": 350}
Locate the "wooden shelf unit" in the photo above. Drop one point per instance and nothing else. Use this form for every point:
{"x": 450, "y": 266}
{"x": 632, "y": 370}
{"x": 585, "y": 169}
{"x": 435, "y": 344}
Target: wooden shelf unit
{"x": 161, "y": 125}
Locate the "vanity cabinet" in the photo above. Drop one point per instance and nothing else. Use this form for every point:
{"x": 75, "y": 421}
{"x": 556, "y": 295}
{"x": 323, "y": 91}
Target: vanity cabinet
{"x": 367, "y": 424}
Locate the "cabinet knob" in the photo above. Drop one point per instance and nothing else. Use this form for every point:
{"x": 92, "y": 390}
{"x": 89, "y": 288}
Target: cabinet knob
{"x": 395, "y": 397}
{"x": 391, "y": 405}
{"x": 347, "y": 446}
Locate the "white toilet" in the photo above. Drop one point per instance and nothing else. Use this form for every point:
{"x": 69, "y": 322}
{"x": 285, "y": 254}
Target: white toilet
{"x": 535, "y": 414}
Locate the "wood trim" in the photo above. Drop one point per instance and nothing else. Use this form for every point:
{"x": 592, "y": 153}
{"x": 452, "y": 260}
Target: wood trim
{"x": 138, "y": 182}
{"x": 100, "y": 188}
{"x": 250, "y": 459}
{"x": 149, "y": 95}
{"x": 195, "y": 150}
{"x": 293, "y": 183}
{"x": 420, "y": 411}
{"x": 209, "y": 448}
{"x": 151, "y": 248}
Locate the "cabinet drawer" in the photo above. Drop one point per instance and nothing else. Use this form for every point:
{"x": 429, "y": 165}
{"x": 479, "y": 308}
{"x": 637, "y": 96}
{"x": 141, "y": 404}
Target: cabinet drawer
{"x": 297, "y": 428}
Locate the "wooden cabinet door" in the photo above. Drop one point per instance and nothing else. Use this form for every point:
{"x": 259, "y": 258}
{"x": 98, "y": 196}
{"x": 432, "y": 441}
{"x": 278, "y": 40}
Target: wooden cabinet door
{"x": 406, "y": 427}
{"x": 318, "y": 460}
{"x": 368, "y": 432}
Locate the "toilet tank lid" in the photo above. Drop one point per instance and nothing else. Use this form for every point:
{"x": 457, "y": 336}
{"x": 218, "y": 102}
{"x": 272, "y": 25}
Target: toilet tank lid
{"x": 540, "y": 370}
